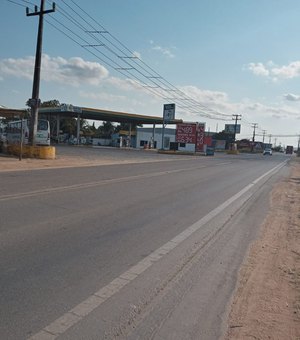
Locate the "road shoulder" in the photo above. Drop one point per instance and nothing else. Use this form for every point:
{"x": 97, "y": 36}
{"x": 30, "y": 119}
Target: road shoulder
{"x": 266, "y": 303}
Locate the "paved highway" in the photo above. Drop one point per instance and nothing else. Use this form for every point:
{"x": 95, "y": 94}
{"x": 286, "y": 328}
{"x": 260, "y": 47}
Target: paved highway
{"x": 136, "y": 251}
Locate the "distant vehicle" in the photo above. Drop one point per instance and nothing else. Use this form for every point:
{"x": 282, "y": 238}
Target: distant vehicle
{"x": 267, "y": 152}
{"x": 13, "y": 132}
{"x": 289, "y": 149}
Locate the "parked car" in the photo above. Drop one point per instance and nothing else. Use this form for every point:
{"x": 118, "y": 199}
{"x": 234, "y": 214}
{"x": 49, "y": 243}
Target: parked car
{"x": 267, "y": 152}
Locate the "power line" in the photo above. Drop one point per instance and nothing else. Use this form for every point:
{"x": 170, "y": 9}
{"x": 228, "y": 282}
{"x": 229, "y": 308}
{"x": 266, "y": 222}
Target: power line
{"x": 210, "y": 113}
{"x": 158, "y": 76}
{"x": 16, "y": 3}
{"x": 158, "y": 85}
{"x": 28, "y": 2}
{"x": 82, "y": 29}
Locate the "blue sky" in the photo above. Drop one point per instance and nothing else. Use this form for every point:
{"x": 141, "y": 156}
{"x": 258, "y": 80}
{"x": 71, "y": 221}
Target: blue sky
{"x": 231, "y": 57}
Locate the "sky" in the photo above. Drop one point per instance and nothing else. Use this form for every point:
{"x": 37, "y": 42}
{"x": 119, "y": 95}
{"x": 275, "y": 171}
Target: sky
{"x": 227, "y": 57}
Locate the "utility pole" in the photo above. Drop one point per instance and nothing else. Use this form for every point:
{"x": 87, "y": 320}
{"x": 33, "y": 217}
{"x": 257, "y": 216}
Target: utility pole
{"x": 264, "y": 133}
{"x": 34, "y": 102}
{"x": 270, "y": 136}
{"x": 254, "y": 125}
{"x": 236, "y": 118}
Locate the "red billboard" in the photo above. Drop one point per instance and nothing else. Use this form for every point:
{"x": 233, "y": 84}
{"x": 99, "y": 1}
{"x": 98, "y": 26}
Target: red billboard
{"x": 186, "y": 133}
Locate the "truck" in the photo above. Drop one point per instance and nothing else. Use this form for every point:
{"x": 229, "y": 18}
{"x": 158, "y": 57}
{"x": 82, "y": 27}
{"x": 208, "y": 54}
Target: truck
{"x": 289, "y": 149}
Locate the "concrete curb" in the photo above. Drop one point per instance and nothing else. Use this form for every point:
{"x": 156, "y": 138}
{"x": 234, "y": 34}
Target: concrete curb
{"x": 41, "y": 152}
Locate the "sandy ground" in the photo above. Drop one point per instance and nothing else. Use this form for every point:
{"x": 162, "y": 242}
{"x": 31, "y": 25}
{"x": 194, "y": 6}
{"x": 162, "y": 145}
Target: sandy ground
{"x": 14, "y": 164}
{"x": 266, "y": 304}
{"x": 65, "y": 160}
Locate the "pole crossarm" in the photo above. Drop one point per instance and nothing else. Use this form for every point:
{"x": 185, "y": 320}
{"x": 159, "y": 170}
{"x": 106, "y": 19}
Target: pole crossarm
{"x": 41, "y": 12}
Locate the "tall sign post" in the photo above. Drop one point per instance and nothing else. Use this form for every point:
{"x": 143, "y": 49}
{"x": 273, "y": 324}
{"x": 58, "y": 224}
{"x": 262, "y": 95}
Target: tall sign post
{"x": 34, "y": 102}
{"x": 200, "y": 141}
{"x": 168, "y": 114}
{"x": 233, "y": 129}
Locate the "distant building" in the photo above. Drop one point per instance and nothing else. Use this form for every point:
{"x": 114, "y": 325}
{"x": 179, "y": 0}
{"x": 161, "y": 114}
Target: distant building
{"x": 152, "y": 138}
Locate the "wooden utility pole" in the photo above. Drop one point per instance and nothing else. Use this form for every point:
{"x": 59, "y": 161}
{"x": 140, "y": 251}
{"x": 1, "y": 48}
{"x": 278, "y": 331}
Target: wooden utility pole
{"x": 236, "y": 118}
{"x": 264, "y": 134}
{"x": 34, "y": 102}
{"x": 270, "y": 136}
{"x": 254, "y": 125}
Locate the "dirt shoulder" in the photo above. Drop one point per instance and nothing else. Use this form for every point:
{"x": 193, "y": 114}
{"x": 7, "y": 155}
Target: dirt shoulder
{"x": 266, "y": 304}
{"x": 14, "y": 164}
{"x": 80, "y": 158}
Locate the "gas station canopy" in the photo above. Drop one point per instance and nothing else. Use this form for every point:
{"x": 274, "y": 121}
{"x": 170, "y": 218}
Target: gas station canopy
{"x": 66, "y": 110}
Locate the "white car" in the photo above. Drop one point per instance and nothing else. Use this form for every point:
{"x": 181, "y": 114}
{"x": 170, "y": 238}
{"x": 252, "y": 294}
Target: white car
{"x": 267, "y": 152}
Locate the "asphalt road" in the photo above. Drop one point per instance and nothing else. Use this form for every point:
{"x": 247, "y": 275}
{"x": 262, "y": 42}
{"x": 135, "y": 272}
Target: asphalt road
{"x": 65, "y": 234}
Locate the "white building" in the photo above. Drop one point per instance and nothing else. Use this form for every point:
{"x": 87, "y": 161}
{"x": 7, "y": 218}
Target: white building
{"x": 152, "y": 137}
{"x": 146, "y": 137}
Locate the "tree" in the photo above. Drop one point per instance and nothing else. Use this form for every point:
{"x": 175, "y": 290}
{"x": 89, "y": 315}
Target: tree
{"x": 49, "y": 103}
{"x": 224, "y": 136}
{"x": 86, "y": 128}
{"x": 228, "y": 137}
{"x": 106, "y": 129}
{"x": 126, "y": 126}
{"x": 68, "y": 125}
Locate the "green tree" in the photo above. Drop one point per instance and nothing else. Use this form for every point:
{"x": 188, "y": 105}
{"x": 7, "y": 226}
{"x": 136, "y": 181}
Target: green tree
{"x": 68, "y": 125}
{"x": 126, "y": 126}
{"x": 51, "y": 103}
{"x": 228, "y": 137}
{"x": 224, "y": 136}
{"x": 86, "y": 128}
{"x": 106, "y": 129}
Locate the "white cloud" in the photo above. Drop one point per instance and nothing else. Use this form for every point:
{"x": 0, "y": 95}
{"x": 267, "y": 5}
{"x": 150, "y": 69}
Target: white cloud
{"x": 122, "y": 84}
{"x": 252, "y": 111}
{"x": 166, "y": 52}
{"x": 204, "y": 96}
{"x": 210, "y": 100}
{"x": 260, "y": 111}
{"x": 109, "y": 97}
{"x": 137, "y": 55}
{"x": 291, "y": 97}
{"x": 73, "y": 71}
{"x": 288, "y": 72}
{"x": 275, "y": 72}
{"x": 258, "y": 69}
{"x": 163, "y": 50}
{"x": 20, "y": 68}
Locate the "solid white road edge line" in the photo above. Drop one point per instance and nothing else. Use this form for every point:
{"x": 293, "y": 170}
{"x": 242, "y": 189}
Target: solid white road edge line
{"x": 76, "y": 314}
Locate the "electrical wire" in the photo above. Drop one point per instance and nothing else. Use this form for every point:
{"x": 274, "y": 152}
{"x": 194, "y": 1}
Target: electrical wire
{"x": 130, "y": 59}
{"x": 156, "y": 74}
{"x": 154, "y": 86}
{"x": 16, "y": 3}
{"x": 94, "y": 38}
